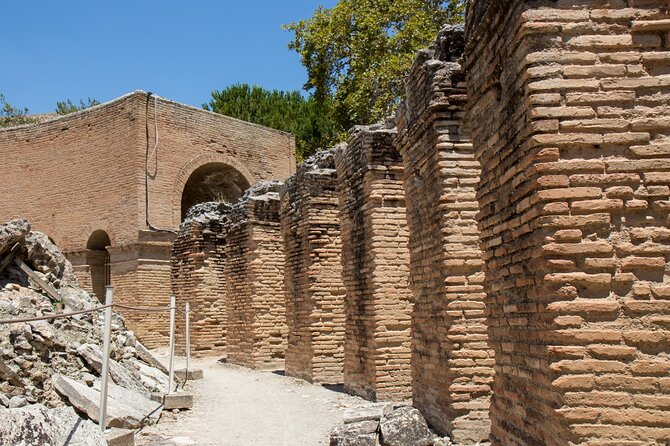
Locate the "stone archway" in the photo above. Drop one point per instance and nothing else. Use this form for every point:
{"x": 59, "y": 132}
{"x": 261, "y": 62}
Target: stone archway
{"x": 213, "y": 181}
{"x": 97, "y": 259}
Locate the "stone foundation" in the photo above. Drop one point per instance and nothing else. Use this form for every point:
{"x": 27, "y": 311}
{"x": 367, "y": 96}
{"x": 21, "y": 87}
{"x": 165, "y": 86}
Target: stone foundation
{"x": 571, "y": 99}
{"x": 452, "y": 365}
{"x": 378, "y": 301}
{"x": 314, "y": 288}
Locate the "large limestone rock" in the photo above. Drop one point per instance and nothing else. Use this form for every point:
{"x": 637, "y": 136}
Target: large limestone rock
{"x": 37, "y": 425}
{"x": 119, "y": 374}
{"x": 405, "y": 426}
{"x": 13, "y": 232}
{"x": 363, "y": 433}
{"x": 125, "y": 408}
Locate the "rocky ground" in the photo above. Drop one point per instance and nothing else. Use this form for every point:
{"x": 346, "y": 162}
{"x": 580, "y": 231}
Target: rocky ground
{"x": 54, "y": 363}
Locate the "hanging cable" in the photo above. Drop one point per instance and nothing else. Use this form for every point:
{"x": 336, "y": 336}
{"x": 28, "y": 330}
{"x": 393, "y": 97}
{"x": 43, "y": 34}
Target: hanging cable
{"x": 148, "y": 157}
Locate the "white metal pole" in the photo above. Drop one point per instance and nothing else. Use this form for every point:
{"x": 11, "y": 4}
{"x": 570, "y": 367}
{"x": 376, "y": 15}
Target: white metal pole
{"x": 106, "y": 335}
{"x": 188, "y": 336}
{"x": 172, "y": 311}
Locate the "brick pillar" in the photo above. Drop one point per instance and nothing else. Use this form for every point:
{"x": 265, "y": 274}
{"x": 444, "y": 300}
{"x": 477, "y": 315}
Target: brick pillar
{"x": 378, "y": 301}
{"x": 452, "y": 364}
{"x": 198, "y": 262}
{"x": 254, "y": 273}
{"x": 569, "y": 103}
{"x": 314, "y": 288}
{"x": 140, "y": 274}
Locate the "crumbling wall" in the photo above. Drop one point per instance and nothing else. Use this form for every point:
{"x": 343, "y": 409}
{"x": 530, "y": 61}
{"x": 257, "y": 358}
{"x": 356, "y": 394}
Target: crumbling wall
{"x": 378, "y": 301}
{"x": 452, "y": 365}
{"x": 254, "y": 272}
{"x": 198, "y": 264}
{"x": 571, "y": 101}
{"x": 313, "y": 281}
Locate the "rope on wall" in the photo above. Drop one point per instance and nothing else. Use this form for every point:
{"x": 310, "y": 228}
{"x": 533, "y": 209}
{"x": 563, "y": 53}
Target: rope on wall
{"x": 147, "y": 159}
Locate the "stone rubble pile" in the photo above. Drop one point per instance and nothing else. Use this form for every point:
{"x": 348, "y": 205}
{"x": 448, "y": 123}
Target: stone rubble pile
{"x": 58, "y": 361}
{"x": 385, "y": 424}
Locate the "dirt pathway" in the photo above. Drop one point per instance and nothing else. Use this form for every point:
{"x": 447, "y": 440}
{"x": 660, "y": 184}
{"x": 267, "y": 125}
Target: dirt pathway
{"x": 235, "y": 406}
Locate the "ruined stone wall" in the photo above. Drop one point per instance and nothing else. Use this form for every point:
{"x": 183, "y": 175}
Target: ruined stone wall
{"x": 254, "y": 273}
{"x": 198, "y": 263}
{"x": 452, "y": 365}
{"x": 313, "y": 281}
{"x": 378, "y": 301}
{"x": 572, "y": 104}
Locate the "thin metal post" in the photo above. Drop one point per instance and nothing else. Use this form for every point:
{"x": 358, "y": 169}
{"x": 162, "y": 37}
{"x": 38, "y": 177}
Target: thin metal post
{"x": 106, "y": 335}
{"x": 188, "y": 335}
{"x": 172, "y": 313}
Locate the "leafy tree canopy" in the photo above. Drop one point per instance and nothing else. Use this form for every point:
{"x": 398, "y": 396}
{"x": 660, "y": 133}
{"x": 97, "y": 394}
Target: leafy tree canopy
{"x": 66, "y": 107}
{"x": 10, "y": 115}
{"x": 360, "y": 51}
{"x": 282, "y": 110}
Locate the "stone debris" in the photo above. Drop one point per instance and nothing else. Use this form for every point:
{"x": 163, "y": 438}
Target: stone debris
{"x": 125, "y": 408}
{"x": 384, "y": 424}
{"x": 38, "y": 425}
{"x": 35, "y": 355}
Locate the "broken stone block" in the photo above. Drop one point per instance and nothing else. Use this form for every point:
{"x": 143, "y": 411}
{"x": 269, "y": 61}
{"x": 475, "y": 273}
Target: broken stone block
{"x": 405, "y": 426}
{"x": 148, "y": 357}
{"x": 119, "y": 374}
{"x": 177, "y": 400}
{"x": 37, "y": 425}
{"x": 190, "y": 375}
{"x": 372, "y": 412}
{"x": 125, "y": 408}
{"x": 362, "y": 433}
{"x": 16, "y": 402}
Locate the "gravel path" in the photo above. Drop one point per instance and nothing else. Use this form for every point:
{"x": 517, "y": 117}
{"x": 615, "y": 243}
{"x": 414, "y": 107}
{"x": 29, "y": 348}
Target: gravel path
{"x": 236, "y": 406}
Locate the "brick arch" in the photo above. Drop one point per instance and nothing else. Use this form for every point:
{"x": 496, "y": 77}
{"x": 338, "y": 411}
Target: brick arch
{"x": 194, "y": 164}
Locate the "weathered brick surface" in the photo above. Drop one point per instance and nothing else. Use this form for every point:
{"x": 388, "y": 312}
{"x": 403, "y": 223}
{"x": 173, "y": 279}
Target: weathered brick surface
{"x": 84, "y": 172}
{"x": 571, "y": 102}
{"x": 452, "y": 365}
{"x": 313, "y": 281}
{"x": 254, "y": 274}
{"x": 198, "y": 264}
{"x": 378, "y": 301}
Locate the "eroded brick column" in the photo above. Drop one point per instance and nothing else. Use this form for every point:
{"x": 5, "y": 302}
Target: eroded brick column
{"x": 570, "y": 118}
{"x": 378, "y": 301}
{"x": 198, "y": 262}
{"x": 452, "y": 364}
{"x": 254, "y": 272}
{"x": 314, "y": 288}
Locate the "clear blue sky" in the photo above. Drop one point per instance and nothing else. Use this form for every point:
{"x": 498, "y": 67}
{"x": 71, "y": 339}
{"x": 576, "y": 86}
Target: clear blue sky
{"x": 182, "y": 50}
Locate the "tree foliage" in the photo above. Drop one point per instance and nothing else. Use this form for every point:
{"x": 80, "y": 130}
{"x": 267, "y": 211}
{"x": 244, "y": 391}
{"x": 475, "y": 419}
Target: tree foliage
{"x": 10, "y": 115}
{"x": 360, "y": 51}
{"x": 66, "y": 107}
{"x": 282, "y": 110}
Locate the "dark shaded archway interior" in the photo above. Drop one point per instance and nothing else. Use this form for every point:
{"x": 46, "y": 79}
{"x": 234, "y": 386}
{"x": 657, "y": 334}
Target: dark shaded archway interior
{"x": 97, "y": 259}
{"x": 213, "y": 182}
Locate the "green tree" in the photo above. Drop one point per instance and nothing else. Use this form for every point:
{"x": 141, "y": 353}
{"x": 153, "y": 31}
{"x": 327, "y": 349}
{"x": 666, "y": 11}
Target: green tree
{"x": 311, "y": 123}
{"x": 360, "y": 51}
{"x": 10, "y": 115}
{"x": 66, "y": 107}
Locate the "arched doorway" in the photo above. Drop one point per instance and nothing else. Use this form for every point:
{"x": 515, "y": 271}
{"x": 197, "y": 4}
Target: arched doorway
{"x": 213, "y": 182}
{"x": 97, "y": 258}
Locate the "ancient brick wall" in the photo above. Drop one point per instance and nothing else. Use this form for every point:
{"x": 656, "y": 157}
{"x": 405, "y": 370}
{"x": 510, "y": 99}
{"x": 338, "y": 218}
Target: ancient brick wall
{"x": 452, "y": 365}
{"x": 378, "y": 301}
{"x": 80, "y": 173}
{"x": 198, "y": 264}
{"x": 571, "y": 99}
{"x": 313, "y": 281}
{"x": 254, "y": 273}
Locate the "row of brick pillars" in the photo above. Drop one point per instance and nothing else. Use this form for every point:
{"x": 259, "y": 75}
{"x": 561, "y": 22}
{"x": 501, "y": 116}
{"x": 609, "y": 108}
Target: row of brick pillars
{"x": 499, "y": 255}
